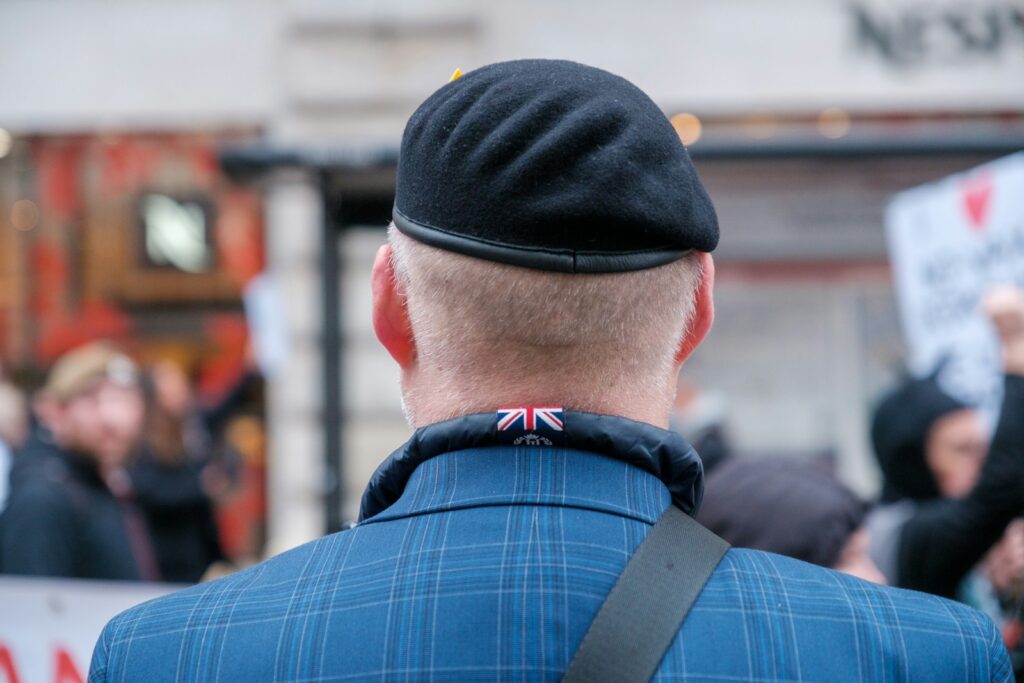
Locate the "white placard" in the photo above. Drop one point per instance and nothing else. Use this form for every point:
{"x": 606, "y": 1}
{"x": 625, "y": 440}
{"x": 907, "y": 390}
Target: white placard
{"x": 48, "y": 627}
{"x": 265, "y": 314}
{"x": 949, "y": 242}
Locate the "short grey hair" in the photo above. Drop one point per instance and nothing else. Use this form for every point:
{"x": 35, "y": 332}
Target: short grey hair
{"x": 475, "y": 319}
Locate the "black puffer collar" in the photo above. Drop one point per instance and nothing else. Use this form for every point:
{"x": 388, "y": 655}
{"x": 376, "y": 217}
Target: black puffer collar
{"x": 660, "y": 452}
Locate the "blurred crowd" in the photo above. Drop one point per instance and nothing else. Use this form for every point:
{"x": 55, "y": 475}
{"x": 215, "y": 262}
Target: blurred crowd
{"x": 948, "y": 519}
{"x": 116, "y": 471}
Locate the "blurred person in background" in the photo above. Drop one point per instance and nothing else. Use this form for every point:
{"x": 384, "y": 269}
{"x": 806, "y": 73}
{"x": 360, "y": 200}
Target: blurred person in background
{"x": 547, "y": 275}
{"x": 790, "y": 508}
{"x": 174, "y": 478}
{"x": 700, "y": 415}
{"x": 13, "y": 431}
{"x": 201, "y": 424}
{"x": 948, "y": 495}
{"x": 71, "y": 511}
{"x": 996, "y": 587}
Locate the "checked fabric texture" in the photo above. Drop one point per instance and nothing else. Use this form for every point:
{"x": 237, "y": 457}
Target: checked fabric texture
{"x": 491, "y": 566}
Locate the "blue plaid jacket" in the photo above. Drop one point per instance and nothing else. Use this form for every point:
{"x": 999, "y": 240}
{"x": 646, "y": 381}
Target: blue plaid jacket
{"x": 481, "y": 561}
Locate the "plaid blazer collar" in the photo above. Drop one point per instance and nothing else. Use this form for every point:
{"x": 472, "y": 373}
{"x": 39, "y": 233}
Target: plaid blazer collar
{"x": 593, "y": 450}
{"x": 500, "y": 475}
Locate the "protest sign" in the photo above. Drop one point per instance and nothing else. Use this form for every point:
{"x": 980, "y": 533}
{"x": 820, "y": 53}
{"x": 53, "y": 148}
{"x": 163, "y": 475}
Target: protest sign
{"x": 950, "y": 242}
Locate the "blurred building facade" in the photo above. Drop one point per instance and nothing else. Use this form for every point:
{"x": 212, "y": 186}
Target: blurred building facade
{"x": 804, "y": 116}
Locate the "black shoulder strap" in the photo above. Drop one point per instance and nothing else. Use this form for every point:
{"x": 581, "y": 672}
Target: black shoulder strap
{"x": 647, "y": 605}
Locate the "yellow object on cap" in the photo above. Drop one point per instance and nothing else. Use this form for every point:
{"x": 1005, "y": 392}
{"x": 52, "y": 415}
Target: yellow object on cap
{"x": 77, "y": 370}
{"x": 456, "y": 75}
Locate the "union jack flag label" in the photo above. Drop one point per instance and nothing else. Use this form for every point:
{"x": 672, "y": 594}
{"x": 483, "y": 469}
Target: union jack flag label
{"x": 531, "y": 425}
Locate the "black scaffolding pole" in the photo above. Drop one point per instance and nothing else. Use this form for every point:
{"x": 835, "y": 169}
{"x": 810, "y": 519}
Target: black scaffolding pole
{"x": 331, "y": 339}
{"x": 252, "y": 164}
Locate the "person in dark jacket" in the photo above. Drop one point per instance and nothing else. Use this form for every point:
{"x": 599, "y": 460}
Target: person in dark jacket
{"x": 172, "y": 478}
{"x": 71, "y": 511}
{"x": 787, "y": 507}
{"x": 944, "y": 502}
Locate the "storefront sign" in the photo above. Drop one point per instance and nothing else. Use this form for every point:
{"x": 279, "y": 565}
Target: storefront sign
{"x": 949, "y": 243}
{"x": 703, "y": 56}
{"x": 928, "y": 34}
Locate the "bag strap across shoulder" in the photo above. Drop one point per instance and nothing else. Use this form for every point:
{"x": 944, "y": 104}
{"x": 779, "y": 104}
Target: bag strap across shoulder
{"x": 648, "y": 603}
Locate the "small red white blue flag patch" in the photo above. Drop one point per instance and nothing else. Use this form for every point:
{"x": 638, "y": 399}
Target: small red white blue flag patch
{"x": 531, "y": 425}
{"x": 530, "y": 418}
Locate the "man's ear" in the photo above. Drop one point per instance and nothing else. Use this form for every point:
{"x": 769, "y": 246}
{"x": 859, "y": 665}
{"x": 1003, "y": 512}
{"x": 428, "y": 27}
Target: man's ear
{"x": 390, "y": 313}
{"x": 704, "y": 312}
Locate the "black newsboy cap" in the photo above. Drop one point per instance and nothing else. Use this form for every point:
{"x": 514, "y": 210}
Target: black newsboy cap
{"x": 553, "y": 165}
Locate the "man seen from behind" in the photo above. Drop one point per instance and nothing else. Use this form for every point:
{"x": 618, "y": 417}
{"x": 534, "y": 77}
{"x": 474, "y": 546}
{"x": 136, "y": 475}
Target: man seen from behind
{"x": 547, "y": 274}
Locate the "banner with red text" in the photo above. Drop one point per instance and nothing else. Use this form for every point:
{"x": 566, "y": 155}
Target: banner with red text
{"x": 48, "y": 627}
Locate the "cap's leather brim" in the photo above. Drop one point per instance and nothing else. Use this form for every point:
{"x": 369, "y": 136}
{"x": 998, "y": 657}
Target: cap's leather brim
{"x": 559, "y": 260}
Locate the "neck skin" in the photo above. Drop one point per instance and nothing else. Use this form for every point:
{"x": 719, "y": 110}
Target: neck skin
{"x": 432, "y": 396}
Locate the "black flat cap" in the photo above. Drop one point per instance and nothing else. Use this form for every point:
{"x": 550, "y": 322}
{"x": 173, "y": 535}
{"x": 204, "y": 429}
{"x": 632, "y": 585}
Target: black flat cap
{"x": 553, "y": 165}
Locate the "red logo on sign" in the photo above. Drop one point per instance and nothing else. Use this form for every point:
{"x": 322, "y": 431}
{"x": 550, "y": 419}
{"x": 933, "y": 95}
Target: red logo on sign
{"x": 976, "y": 193}
{"x": 7, "y": 667}
{"x": 67, "y": 672}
